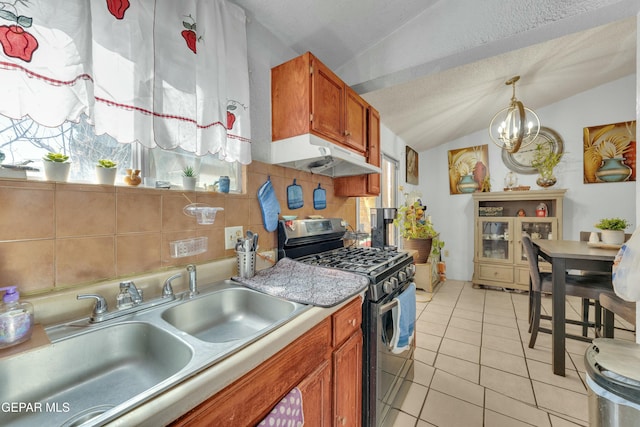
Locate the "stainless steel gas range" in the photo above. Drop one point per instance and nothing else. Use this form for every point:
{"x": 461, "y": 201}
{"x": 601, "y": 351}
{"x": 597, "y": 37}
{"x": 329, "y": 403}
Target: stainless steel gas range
{"x": 320, "y": 242}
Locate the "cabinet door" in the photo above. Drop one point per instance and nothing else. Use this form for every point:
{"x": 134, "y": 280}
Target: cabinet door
{"x": 495, "y": 240}
{"x": 316, "y": 397}
{"x": 347, "y": 382}
{"x": 355, "y": 129}
{"x": 537, "y": 228}
{"x": 373, "y": 152}
{"x": 327, "y": 102}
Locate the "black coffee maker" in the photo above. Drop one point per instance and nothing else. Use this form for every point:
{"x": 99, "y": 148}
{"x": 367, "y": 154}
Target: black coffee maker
{"x": 381, "y": 222}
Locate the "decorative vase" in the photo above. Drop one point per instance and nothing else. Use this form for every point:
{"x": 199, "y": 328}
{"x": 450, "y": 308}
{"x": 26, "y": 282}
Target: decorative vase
{"x": 423, "y": 246}
{"x": 189, "y": 183}
{"x": 56, "y": 171}
{"x": 546, "y": 179}
{"x": 467, "y": 184}
{"x": 132, "y": 177}
{"x": 510, "y": 181}
{"x": 106, "y": 176}
{"x": 612, "y": 237}
{"x": 613, "y": 170}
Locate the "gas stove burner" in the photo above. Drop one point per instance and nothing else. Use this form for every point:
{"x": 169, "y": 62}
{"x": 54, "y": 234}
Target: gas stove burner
{"x": 357, "y": 260}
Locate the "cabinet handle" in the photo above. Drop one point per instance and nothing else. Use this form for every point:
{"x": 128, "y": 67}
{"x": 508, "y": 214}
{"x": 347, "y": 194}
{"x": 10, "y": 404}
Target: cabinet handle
{"x": 347, "y": 133}
{"x": 352, "y": 322}
{"x": 342, "y": 421}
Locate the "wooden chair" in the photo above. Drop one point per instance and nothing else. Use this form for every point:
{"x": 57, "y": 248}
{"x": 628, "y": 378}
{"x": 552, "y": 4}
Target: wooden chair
{"x": 593, "y": 275}
{"x": 540, "y": 283}
{"x": 614, "y": 305}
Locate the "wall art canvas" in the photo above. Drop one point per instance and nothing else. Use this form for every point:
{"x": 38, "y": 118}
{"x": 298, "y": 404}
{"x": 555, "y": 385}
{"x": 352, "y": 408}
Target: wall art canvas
{"x": 412, "y": 166}
{"x": 610, "y": 153}
{"x": 469, "y": 170}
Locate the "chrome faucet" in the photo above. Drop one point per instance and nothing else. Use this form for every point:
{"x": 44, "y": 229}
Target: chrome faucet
{"x": 129, "y": 295}
{"x": 100, "y": 309}
{"x": 193, "y": 285}
{"x": 167, "y": 289}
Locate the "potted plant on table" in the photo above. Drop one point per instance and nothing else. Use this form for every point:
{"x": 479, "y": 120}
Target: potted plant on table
{"x": 106, "y": 171}
{"x": 189, "y": 177}
{"x": 56, "y": 167}
{"x": 545, "y": 159}
{"x": 415, "y": 227}
{"x": 612, "y": 230}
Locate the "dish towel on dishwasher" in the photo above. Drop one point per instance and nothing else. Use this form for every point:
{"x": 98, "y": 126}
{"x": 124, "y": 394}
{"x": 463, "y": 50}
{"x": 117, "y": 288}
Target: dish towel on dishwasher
{"x": 404, "y": 320}
{"x": 287, "y": 413}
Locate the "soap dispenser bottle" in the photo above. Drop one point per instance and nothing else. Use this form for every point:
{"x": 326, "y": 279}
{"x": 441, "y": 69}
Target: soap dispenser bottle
{"x": 16, "y": 318}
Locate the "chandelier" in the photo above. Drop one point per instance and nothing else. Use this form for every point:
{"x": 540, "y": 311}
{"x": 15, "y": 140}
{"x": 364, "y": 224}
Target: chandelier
{"x": 515, "y": 126}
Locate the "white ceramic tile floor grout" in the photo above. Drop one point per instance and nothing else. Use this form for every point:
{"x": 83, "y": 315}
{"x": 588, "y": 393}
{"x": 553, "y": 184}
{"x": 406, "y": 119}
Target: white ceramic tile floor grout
{"x": 473, "y": 366}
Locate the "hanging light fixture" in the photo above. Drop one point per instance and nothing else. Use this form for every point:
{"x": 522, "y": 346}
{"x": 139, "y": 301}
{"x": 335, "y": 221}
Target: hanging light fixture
{"x": 515, "y": 126}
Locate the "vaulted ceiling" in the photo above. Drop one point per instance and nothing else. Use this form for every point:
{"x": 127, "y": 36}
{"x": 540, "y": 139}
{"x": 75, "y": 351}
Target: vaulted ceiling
{"x": 436, "y": 70}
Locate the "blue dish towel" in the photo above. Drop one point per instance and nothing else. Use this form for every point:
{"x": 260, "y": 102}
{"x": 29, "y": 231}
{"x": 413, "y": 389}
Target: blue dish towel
{"x": 404, "y": 320}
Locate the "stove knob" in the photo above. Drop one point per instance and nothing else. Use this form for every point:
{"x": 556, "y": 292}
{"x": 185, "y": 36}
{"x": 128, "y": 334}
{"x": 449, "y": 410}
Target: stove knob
{"x": 394, "y": 283}
{"x": 411, "y": 270}
{"x": 402, "y": 276}
{"x": 387, "y": 287}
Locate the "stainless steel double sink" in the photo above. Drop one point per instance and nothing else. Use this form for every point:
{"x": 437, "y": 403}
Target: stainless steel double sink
{"x": 91, "y": 374}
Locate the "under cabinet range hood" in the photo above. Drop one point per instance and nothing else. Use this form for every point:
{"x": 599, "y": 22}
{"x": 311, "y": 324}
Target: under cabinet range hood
{"x": 313, "y": 154}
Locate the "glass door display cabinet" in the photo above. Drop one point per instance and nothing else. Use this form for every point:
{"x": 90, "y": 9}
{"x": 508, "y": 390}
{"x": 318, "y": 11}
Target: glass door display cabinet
{"x": 500, "y": 220}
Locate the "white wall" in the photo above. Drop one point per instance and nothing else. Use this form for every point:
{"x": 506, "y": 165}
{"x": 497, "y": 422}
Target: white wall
{"x": 584, "y": 203}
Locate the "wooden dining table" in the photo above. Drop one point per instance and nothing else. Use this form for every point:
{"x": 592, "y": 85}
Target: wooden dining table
{"x": 566, "y": 255}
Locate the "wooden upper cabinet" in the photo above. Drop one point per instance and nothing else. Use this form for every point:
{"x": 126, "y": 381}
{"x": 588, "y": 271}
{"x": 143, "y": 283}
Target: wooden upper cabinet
{"x": 373, "y": 153}
{"x": 355, "y": 129}
{"x": 327, "y": 102}
{"x": 307, "y": 97}
{"x": 364, "y": 185}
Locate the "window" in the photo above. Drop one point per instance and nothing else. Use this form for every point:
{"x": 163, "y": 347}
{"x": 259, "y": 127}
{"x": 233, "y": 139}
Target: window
{"x": 25, "y": 142}
{"x": 387, "y": 198}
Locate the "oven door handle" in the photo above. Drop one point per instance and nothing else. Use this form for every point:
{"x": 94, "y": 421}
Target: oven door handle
{"x": 388, "y": 306}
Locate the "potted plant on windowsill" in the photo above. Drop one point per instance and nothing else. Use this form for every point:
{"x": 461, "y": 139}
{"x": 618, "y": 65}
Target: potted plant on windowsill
{"x": 415, "y": 227}
{"x": 612, "y": 230}
{"x": 56, "y": 167}
{"x": 189, "y": 177}
{"x": 106, "y": 172}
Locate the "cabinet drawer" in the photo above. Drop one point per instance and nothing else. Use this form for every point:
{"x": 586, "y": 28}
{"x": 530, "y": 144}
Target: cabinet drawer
{"x": 347, "y": 321}
{"x": 522, "y": 276}
{"x": 496, "y": 272}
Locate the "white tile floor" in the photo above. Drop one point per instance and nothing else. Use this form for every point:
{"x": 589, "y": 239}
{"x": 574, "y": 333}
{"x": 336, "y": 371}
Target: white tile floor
{"x": 473, "y": 366}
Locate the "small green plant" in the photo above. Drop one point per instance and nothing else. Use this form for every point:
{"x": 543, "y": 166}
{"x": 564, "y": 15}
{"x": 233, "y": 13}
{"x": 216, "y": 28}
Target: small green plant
{"x": 188, "y": 171}
{"x": 107, "y": 164}
{"x": 56, "y": 157}
{"x": 544, "y": 159}
{"x": 612, "y": 224}
{"x": 436, "y": 247}
{"x": 412, "y": 224}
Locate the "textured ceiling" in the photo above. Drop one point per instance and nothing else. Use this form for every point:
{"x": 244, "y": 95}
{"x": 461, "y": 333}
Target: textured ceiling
{"x": 450, "y": 100}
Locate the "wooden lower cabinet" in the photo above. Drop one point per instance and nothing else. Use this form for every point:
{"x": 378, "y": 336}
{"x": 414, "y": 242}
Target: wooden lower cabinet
{"x": 316, "y": 393}
{"x": 325, "y": 364}
{"x": 347, "y": 382}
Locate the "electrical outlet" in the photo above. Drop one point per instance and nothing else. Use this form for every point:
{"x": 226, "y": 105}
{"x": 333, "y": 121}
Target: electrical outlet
{"x": 231, "y": 236}
{"x": 446, "y": 253}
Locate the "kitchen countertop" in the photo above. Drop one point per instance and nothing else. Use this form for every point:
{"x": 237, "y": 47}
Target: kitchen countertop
{"x": 179, "y": 400}
{"x": 62, "y": 306}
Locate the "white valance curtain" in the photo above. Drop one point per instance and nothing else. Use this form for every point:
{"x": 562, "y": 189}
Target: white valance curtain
{"x": 165, "y": 73}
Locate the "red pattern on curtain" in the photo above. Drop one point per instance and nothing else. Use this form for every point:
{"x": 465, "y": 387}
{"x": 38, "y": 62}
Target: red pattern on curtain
{"x": 162, "y": 72}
